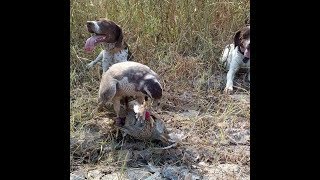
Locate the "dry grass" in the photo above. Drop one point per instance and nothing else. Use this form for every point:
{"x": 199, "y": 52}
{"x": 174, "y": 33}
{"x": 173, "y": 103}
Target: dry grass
{"x": 181, "y": 40}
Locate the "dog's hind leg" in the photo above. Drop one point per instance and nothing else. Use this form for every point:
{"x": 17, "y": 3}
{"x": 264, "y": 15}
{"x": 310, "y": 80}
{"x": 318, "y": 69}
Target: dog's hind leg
{"x": 126, "y": 102}
{"x": 116, "y": 105}
{"x": 106, "y": 93}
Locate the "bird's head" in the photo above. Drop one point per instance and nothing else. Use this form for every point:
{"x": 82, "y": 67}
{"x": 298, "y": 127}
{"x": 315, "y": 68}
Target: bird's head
{"x": 147, "y": 115}
{"x": 120, "y": 121}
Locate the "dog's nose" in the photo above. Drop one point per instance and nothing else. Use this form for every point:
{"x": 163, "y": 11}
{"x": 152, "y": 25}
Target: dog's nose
{"x": 89, "y": 23}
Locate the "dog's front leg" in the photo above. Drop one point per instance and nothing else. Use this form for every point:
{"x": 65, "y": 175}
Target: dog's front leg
{"x": 99, "y": 57}
{"x": 229, "y": 86}
{"x": 233, "y": 68}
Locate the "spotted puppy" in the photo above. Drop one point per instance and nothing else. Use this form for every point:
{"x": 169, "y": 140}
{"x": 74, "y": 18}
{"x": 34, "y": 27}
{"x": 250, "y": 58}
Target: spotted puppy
{"x": 109, "y": 34}
{"x": 128, "y": 79}
{"x": 237, "y": 56}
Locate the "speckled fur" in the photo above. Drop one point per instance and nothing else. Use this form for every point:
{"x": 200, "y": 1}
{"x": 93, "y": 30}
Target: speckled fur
{"x": 128, "y": 79}
{"x": 109, "y": 57}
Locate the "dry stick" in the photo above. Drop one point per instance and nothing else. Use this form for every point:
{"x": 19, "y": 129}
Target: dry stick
{"x": 167, "y": 147}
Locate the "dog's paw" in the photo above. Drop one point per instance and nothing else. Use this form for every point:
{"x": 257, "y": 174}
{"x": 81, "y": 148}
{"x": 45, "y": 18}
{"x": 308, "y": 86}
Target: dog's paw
{"x": 228, "y": 90}
{"x": 89, "y": 65}
{"x": 100, "y": 108}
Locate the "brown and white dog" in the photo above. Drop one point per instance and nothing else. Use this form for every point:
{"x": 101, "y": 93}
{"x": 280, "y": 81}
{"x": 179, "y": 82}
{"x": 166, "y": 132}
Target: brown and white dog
{"x": 111, "y": 36}
{"x": 128, "y": 79}
{"x": 237, "y": 56}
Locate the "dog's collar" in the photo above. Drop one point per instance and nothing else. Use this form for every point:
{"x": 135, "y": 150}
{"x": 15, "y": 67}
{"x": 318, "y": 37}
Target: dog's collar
{"x": 245, "y": 59}
{"x": 240, "y": 50}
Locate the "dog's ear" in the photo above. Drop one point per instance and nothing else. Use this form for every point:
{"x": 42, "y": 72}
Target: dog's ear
{"x": 247, "y": 21}
{"x": 236, "y": 39}
{"x": 119, "y": 41}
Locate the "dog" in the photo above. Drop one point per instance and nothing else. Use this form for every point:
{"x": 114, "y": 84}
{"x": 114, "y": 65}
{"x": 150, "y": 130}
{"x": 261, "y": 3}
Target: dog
{"x": 128, "y": 79}
{"x": 110, "y": 35}
{"x": 237, "y": 56}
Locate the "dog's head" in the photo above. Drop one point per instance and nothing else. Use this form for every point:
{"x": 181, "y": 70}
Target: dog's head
{"x": 151, "y": 87}
{"x": 242, "y": 40}
{"x": 103, "y": 31}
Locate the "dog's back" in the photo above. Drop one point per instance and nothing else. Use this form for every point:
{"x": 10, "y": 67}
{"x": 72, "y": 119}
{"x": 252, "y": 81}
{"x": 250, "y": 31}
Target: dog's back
{"x": 132, "y": 70}
{"x": 129, "y": 79}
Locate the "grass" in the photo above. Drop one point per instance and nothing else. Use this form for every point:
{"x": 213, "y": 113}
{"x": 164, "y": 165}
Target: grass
{"x": 181, "y": 40}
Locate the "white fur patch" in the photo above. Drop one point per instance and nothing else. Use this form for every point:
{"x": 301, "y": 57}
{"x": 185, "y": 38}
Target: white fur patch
{"x": 233, "y": 61}
{"x": 227, "y": 55}
{"x": 136, "y": 108}
{"x": 231, "y": 54}
{"x": 96, "y": 27}
{"x": 107, "y": 58}
{"x": 148, "y": 92}
{"x": 121, "y": 56}
{"x": 246, "y": 43}
{"x": 149, "y": 76}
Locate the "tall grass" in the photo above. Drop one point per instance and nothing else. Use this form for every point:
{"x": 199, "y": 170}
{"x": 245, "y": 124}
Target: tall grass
{"x": 179, "y": 39}
{"x": 155, "y": 28}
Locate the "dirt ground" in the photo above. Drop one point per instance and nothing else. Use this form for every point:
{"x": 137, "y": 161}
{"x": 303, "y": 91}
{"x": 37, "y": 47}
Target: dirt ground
{"x": 213, "y": 142}
{"x": 182, "y": 42}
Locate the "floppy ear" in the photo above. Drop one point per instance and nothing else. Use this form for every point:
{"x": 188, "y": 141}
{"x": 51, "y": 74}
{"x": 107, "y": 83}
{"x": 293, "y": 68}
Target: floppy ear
{"x": 119, "y": 41}
{"x": 236, "y": 39}
{"x": 247, "y": 21}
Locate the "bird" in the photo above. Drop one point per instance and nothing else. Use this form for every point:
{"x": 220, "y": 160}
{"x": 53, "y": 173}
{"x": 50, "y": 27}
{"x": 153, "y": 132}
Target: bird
{"x": 143, "y": 130}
